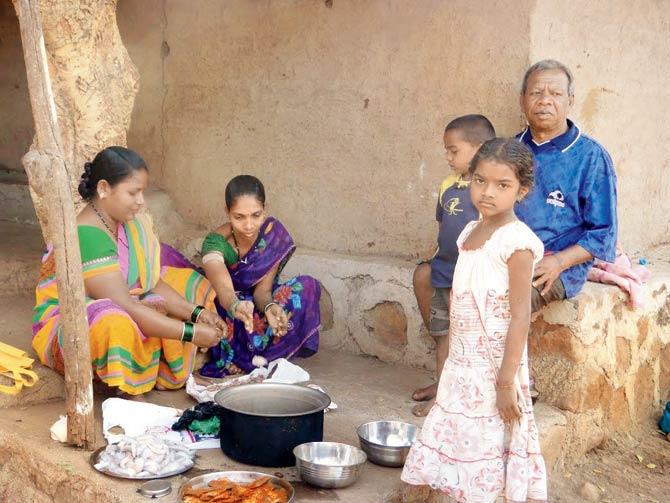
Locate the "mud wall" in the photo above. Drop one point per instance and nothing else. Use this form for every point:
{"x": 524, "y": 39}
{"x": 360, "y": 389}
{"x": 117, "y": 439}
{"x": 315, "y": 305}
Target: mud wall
{"x": 16, "y": 120}
{"x": 339, "y": 110}
{"x": 339, "y": 106}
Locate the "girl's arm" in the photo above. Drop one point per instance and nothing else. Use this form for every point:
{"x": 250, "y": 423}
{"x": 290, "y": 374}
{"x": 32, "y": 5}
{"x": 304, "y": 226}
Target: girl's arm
{"x": 152, "y": 323}
{"x": 520, "y": 266}
{"x": 263, "y": 298}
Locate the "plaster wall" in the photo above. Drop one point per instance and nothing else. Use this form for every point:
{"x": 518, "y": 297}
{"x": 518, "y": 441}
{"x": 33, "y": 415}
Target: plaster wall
{"x": 340, "y": 110}
{"x": 16, "y": 120}
{"x": 616, "y": 51}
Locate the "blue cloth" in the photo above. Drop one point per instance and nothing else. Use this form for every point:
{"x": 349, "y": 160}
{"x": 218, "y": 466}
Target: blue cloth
{"x": 573, "y": 200}
{"x": 454, "y": 211}
{"x": 664, "y": 422}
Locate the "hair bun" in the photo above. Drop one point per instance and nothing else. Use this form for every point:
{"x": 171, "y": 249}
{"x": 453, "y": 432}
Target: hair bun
{"x": 85, "y": 190}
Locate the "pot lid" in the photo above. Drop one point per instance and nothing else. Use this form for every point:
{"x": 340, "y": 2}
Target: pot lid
{"x": 155, "y": 489}
{"x": 272, "y": 400}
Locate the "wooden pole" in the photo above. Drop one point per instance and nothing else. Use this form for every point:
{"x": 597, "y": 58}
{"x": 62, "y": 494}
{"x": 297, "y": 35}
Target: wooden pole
{"x": 49, "y": 180}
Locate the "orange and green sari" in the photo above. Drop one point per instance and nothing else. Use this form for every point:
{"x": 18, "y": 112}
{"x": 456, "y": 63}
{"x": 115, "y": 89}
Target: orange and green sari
{"x": 121, "y": 355}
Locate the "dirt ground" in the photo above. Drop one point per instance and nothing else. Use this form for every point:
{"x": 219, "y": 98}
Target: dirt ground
{"x": 624, "y": 470}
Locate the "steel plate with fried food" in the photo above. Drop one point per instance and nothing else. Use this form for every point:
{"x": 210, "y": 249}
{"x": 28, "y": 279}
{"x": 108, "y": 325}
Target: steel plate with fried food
{"x": 226, "y": 491}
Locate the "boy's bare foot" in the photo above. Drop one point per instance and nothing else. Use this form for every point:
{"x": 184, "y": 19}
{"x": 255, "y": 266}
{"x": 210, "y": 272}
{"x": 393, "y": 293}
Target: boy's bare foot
{"x": 422, "y": 409}
{"x": 424, "y": 394}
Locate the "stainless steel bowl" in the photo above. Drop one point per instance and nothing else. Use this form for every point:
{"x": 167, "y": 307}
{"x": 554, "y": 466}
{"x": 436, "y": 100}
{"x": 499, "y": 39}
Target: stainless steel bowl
{"x": 201, "y": 481}
{"x": 329, "y": 464}
{"x": 387, "y": 443}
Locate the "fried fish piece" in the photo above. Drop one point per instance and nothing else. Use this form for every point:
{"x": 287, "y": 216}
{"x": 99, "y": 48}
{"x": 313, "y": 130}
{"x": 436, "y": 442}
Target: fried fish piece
{"x": 224, "y": 490}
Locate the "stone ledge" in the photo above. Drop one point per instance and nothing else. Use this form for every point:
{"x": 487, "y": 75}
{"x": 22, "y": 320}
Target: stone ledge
{"x": 603, "y": 363}
{"x": 374, "y": 310}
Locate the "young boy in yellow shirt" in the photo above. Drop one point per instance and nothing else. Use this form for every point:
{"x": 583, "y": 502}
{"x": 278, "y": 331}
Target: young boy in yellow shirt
{"x": 432, "y": 280}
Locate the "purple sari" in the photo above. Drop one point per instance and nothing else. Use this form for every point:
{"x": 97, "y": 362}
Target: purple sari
{"x": 299, "y": 297}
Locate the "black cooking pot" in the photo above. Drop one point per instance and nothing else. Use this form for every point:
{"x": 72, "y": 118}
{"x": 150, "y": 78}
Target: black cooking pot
{"x": 261, "y": 424}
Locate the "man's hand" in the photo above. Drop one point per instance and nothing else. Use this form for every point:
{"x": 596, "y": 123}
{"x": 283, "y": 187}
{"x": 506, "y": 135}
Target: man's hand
{"x": 547, "y": 271}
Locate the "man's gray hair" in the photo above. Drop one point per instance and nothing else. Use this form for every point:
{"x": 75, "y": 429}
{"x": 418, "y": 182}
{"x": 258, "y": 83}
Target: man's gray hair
{"x": 549, "y": 64}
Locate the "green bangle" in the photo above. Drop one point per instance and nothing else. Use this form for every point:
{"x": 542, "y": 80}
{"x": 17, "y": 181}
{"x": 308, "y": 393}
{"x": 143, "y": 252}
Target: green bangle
{"x": 233, "y": 307}
{"x": 187, "y": 332}
{"x": 196, "y": 313}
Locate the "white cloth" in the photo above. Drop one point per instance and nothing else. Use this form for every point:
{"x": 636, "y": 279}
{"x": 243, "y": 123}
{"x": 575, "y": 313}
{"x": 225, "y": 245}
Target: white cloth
{"x": 140, "y": 418}
{"x": 137, "y": 418}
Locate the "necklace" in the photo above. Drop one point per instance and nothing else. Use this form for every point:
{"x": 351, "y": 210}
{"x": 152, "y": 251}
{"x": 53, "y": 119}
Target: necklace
{"x": 237, "y": 247}
{"x": 104, "y": 222}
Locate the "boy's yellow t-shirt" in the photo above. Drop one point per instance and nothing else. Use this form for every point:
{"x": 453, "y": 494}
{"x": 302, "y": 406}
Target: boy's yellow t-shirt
{"x": 454, "y": 211}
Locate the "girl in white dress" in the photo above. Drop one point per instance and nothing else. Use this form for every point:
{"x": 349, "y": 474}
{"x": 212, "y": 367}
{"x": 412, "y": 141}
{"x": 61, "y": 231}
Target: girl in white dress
{"x": 479, "y": 442}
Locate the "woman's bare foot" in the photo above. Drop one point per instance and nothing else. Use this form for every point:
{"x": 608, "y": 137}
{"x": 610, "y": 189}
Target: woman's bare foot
{"x": 425, "y": 394}
{"x": 100, "y": 388}
{"x": 422, "y": 409}
{"x": 128, "y": 396}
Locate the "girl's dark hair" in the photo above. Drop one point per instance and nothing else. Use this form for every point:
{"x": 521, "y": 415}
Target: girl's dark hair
{"x": 507, "y": 151}
{"x": 244, "y": 185}
{"x": 112, "y": 164}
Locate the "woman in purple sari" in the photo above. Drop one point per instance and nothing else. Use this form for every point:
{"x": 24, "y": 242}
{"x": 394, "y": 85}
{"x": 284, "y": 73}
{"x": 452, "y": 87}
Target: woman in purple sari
{"x": 242, "y": 259}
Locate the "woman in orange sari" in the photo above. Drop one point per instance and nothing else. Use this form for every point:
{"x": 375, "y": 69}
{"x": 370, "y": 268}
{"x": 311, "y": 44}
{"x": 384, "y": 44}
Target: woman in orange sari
{"x": 145, "y": 320}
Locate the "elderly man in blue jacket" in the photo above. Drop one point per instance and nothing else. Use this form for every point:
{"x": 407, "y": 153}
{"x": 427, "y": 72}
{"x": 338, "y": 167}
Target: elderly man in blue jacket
{"x": 572, "y": 207}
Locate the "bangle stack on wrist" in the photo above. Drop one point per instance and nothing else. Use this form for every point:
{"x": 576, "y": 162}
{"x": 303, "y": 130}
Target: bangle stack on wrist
{"x": 195, "y": 314}
{"x": 508, "y": 385}
{"x": 187, "y": 332}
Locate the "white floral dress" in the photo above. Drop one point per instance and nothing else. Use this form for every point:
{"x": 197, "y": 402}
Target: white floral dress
{"x": 464, "y": 448}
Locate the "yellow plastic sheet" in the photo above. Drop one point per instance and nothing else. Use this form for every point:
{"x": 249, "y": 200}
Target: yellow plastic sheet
{"x": 15, "y": 364}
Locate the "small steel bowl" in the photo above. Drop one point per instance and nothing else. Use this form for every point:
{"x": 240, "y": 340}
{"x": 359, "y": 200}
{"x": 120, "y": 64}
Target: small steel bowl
{"x": 329, "y": 464}
{"x": 387, "y": 443}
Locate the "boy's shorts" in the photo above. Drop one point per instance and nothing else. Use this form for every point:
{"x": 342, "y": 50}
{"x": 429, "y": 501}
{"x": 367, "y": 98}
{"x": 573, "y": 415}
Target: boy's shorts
{"x": 556, "y": 292}
{"x": 439, "y": 312}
